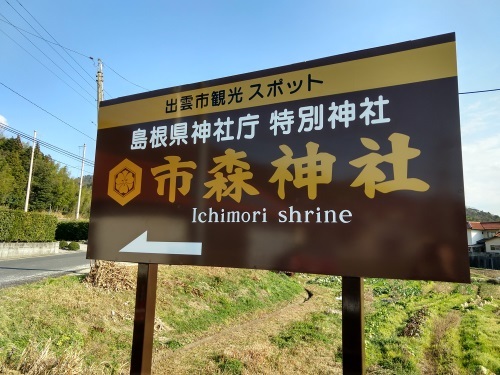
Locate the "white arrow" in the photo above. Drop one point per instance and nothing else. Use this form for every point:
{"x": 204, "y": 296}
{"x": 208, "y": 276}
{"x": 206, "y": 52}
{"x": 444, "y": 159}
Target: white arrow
{"x": 143, "y": 246}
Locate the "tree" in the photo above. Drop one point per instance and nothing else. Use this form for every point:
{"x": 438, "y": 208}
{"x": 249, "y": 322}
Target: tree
{"x": 7, "y": 182}
{"x": 68, "y": 197}
{"x": 52, "y": 187}
{"x": 12, "y": 150}
{"x": 43, "y": 193}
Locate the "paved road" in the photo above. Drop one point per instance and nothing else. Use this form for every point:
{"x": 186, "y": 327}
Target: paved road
{"x": 26, "y": 270}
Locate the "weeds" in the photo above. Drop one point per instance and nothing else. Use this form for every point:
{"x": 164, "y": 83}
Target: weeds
{"x": 327, "y": 281}
{"x": 442, "y": 351}
{"x": 410, "y": 326}
{"x": 300, "y": 332}
{"x": 228, "y": 365}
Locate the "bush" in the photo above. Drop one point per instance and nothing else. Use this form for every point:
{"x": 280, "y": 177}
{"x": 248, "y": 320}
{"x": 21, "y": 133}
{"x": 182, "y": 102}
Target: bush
{"x": 74, "y": 246}
{"x": 20, "y": 226}
{"x": 63, "y": 244}
{"x": 72, "y": 230}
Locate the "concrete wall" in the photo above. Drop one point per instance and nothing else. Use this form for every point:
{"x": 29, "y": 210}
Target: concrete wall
{"x": 22, "y": 249}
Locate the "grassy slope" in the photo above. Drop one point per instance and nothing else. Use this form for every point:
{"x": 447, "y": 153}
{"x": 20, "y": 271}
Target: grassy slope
{"x": 214, "y": 320}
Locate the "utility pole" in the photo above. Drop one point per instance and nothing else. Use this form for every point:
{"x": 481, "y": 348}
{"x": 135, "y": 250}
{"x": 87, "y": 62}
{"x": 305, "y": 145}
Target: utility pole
{"x": 100, "y": 97}
{"x": 29, "y": 175}
{"x": 81, "y": 183}
{"x": 100, "y": 85}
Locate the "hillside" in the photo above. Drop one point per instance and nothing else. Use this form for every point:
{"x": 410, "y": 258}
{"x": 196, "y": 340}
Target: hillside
{"x": 474, "y": 214}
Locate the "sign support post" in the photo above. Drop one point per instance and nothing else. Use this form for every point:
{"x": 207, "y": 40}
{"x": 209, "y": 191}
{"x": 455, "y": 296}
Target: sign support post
{"x": 353, "y": 336}
{"x": 145, "y": 303}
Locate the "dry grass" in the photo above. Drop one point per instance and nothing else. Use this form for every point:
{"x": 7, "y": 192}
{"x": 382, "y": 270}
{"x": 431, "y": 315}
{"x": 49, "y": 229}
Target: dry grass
{"x": 483, "y": 273}
{"x": 40, "y": 360}
{"x": 443, "y": 288}
{"x": 368, "y": 300}
{"x": 71, "y": 363}
{"x": 111, "y": 276}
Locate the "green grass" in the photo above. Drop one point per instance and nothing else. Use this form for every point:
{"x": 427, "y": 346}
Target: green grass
{"x": 411, "y": 327}
{"x": 310, "y": 330}
{"x": 228, "y": 365}
{"x": 480, "y": 341}
{"x": 201, "y": 301}
{"x": 190, "y": 301}
{"x": 460, "y": 333}
{"x": 66, "y": 312}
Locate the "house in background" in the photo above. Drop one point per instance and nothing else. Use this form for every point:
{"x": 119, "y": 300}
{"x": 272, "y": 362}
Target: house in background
{"x": 492, "y": 244}
{"x": 483, "y": 236}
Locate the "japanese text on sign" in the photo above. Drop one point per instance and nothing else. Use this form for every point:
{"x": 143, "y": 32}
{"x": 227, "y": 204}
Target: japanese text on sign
{"x": 310, "y": 118}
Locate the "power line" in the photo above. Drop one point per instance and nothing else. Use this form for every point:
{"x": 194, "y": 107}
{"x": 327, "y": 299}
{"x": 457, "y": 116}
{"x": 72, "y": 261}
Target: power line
{"x": 46, "y": 67}
{"x": 38, "y": 48}
{"x": 122, "y": 77}
{"x": 477, "y": 92}
{"x": 107, "y": 65}
{"x": 45, "y": 144}
{"x": 44, "y": 29}
{"x": 45, "y": 40}
{"x": 72, "y": 166}
{"x": 57, "y": 118}
{"x": 55, "y": 42}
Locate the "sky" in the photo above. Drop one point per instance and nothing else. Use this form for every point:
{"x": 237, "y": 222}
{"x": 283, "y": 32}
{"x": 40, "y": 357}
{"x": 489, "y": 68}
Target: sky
{"x": 151, "y": 45}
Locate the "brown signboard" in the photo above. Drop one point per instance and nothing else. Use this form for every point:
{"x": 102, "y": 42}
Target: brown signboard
{"x": 348, "y": 165}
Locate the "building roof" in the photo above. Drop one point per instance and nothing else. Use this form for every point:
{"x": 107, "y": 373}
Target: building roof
{"x": 484, "y": 225}
{"x": 493, "y": 225}
{"x": 474, "y": 225}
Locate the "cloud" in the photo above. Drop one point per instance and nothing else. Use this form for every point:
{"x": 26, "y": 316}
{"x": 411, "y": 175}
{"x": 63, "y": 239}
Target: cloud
{"x": 481, "y": 163}
{"x": 480, "y": 115}
{"x": 481, "y": 153}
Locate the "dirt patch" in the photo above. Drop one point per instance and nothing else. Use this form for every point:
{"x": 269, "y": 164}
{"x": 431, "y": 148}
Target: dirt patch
{"x": 413, "y": 326}
{"x": 248, "y": 344}
{"x": 439, "y": 357}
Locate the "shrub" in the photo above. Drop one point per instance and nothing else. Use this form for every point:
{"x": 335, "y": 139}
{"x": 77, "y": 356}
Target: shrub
{"x": 20, "y": 226}
{"x": 72, "y": 230}
{"x": 74, "y": 246}
{"x": 63, "y": 244}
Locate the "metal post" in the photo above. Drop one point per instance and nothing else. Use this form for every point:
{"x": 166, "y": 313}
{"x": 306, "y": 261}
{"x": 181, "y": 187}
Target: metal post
{"x": 28, "y": 189}
{"x": 145, "y": 303}
{"x": 353, "y": 327}
{"x": 81, "y": 183}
